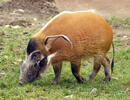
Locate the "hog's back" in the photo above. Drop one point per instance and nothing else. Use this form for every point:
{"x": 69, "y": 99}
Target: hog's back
{"x": 89, "y": 33}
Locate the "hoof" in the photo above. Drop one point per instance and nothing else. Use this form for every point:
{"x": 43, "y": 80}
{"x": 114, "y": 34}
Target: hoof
{"x": 106, "y": 79}
{"x": 81, "y": 79}
{"x": 91, "y": 80}
{"x": 54, "y": 83}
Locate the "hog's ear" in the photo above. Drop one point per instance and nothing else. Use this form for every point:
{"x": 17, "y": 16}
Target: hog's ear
{"x": 49, "y": 40}
{"x": 36, "y": 56}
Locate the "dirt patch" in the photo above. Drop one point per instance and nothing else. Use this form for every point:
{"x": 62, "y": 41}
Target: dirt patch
{"x": 122, "y": 35}
{"x": 106, "y": 8}
{"x": 20, "y": 23}
{"x": 39, "y": 7}
{"x": 27, "y": 13}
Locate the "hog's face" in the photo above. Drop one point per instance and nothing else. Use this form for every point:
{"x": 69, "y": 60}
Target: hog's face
{"x": 31, "y": 67}
{"x": 36, "y": 61}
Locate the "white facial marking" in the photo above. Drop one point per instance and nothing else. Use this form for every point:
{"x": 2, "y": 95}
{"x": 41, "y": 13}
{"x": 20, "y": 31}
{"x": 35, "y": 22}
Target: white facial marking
{"x": 50, "y": 57}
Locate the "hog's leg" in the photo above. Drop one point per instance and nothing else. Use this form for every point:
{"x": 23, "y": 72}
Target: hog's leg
{"x": 106, "y": 64}
{"x": 75, "y": 68}
{"x": 57, "y": 70}
{"x": 96, "y": 68}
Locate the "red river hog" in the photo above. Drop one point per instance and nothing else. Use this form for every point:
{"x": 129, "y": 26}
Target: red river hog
{"x": 69, "y": 36}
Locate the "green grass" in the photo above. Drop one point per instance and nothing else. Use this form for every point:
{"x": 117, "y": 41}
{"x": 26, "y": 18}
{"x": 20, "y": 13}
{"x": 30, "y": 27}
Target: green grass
{"x": 2, "y": 0}
{"x": 12, "y": 49}
{"x": 115, "y": 21}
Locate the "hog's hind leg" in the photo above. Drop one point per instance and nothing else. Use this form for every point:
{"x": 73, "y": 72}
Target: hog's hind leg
{"x": 96, "y": 68}
{"x": 106, "y": 64}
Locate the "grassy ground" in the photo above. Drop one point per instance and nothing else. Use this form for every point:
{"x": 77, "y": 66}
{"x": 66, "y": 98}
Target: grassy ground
{"x": 1, "y": 0}
{"x": 12, "y": 49}
{"x": 115, "y": 21}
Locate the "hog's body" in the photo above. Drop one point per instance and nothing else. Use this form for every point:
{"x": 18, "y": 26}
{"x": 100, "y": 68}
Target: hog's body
{"x": 90, "y": 35}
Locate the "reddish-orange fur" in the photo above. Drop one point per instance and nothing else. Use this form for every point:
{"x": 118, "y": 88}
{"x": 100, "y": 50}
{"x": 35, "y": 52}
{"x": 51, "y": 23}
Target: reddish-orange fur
{"x": 89, "y": 33}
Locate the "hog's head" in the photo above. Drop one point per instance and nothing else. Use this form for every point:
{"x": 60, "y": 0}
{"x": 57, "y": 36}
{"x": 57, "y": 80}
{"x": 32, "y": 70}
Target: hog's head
{"x": 31, "y": 67}
{"x": 37, "y": 61}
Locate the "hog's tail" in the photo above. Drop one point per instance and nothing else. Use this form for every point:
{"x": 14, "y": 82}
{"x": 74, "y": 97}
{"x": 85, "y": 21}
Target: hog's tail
{"x": 112, "y": 63}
